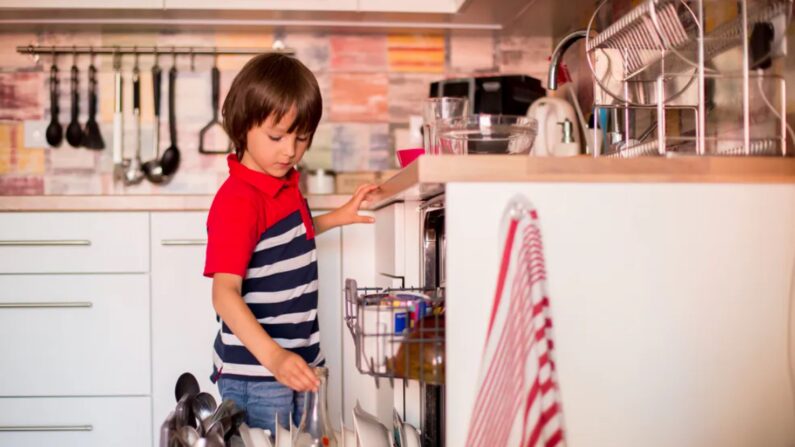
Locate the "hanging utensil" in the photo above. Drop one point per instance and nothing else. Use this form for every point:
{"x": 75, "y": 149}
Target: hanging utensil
{"x": 171, "y": 156}
{"x": 118, "y": 120}
{"x": 153, "y": 169}
{"x": 74, "y": 134}
{"x": 54, "y": 133}
{"x": 216, "y": 87}
{"x": 133, "y": 173}
{"x": 92, "y": 137}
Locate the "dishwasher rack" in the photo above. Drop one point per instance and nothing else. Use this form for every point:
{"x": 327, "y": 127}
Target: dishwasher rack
{"x": 398, "y": 333}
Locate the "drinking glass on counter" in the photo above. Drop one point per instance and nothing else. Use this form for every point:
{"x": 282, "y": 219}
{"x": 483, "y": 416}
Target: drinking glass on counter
{"x": 435, "y": 110}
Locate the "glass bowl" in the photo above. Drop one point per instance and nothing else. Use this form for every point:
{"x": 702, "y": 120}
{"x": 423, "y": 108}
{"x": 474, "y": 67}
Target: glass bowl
{"x": 487, "y": 134}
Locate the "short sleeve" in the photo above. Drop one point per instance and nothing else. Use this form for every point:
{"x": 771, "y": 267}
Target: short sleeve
{"x": 231, "y": 236}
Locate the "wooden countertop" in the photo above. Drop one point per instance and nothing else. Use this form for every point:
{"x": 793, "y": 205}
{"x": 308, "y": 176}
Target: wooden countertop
{"x": 137, "y": 202}
{"x": 427, "y": 175}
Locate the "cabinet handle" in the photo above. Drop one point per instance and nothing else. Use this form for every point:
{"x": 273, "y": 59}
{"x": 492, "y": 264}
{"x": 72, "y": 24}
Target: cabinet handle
{"x": 47, "y": 305}
{"x": 30, "y": 428}
{"x": 46, "y": 243}
{"x": 183, "y": 242}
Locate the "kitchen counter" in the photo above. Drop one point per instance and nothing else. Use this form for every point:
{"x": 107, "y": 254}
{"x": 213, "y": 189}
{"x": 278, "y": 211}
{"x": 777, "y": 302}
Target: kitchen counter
{"x": 427, "y": 175}
{"x": 137, "y": 202}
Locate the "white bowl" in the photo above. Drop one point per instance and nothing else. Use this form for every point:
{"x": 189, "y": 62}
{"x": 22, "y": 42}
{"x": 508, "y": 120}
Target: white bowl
{"x": 370, "y": 432}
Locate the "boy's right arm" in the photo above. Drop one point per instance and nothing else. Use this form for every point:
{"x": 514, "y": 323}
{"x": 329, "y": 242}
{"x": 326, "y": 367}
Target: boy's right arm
{"x": 287, "y": 367}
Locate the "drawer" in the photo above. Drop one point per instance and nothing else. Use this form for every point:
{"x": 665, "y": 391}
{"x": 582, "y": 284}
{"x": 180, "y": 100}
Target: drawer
{"x": 75, "y": 422}
{"x": 74, "y": 335}
{"x": 74, "y": 242}
{"x": 179, "y": 229}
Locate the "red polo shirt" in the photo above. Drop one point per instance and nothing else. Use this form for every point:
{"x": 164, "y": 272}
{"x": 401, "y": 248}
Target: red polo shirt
{"x": 246, "y": 205}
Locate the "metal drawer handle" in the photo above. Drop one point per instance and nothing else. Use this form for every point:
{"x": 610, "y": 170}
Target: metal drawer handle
{"x": 31, "y": 428}
{"x": 46, "y": 243}
{"x": 47, "y": 305}
{"x": 183, "y": 242}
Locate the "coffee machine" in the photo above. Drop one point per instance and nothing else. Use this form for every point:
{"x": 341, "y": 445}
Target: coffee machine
{"x": 494, "y": 95}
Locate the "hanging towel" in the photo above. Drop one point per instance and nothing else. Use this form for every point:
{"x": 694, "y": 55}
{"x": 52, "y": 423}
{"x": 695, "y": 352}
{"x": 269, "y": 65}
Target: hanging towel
{"x": 518, "y": 402}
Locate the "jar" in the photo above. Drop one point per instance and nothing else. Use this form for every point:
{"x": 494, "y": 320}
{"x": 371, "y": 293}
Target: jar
{"x": 319, "y": 181}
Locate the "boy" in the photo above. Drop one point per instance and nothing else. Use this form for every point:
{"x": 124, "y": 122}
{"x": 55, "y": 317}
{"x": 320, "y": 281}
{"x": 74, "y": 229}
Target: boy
{"x": 261, "y": 248}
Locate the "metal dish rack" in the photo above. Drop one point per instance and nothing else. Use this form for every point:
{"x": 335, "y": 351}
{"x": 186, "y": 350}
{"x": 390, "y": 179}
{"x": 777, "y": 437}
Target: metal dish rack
{"x": 671, "y": 59}
{"x": 398, "y": 333}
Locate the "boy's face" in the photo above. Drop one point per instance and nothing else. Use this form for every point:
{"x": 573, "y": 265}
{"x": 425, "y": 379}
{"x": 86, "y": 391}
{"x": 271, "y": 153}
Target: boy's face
{"x": 271, "y": 149}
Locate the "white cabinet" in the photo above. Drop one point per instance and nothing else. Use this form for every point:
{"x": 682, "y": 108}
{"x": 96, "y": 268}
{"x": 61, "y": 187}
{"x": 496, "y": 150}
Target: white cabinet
{"x": 432, "y": 6}
{"x": 671, "y": 308}
{"x": 358, "y": 262}
{"x": 390, "y": 247}
{"x": 83, "y": 4}
{"x": 75, "y": 422}
{"x": 329, "y": 314}
{"x": 275, "y": 5}
{"x": 74, "y": 243}
{"x": 183, "y": 319}
{"x": 415, "y": 6}
{"x": 74, "y": 335}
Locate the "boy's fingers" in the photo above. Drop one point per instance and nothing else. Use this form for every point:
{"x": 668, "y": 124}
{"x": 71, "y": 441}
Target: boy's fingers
{"x": 364, "y": 190}
{"x": 310, "y": 377}
{"x": 366, "y": 219}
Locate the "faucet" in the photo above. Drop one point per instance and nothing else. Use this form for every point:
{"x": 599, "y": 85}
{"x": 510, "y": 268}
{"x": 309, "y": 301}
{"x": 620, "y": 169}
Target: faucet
{"x": 563, "y": 45}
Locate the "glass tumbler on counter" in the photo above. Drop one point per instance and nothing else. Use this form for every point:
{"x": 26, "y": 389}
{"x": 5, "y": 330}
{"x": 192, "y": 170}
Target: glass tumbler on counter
{"x": 487, "y": 134}
{"x": 435, "y": 110}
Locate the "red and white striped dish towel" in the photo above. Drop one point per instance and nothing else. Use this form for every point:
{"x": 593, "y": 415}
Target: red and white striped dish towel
{"x": 518, "y": 401}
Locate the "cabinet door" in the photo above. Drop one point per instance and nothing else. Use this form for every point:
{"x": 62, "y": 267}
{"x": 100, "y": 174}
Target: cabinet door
{"x": 437, "y": 6}
{"x": 74, "y": 242}
{"x": 74, "y": 335}
{"x": 388, "y": 245}
{"x": 82, "y": 4}
{"x": 276, "y": 5}
{"x": 183, "y": 319}
{"x": 366, "y": 251}
{"x": 330, "y": 315}
{"x": 75, "y": 422}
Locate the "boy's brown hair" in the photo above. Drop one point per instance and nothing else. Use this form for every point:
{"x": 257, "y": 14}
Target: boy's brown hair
{"x": 271, "y": 84}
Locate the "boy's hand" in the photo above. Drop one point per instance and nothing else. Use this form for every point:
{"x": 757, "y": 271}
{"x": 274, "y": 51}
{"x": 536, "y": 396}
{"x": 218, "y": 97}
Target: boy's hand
{"x": 349, "y": 213}
{"x": 293, "y": 372}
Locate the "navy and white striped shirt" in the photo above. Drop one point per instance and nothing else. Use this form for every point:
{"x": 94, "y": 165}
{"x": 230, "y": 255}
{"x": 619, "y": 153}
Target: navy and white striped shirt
{"x": 267, "y": 218}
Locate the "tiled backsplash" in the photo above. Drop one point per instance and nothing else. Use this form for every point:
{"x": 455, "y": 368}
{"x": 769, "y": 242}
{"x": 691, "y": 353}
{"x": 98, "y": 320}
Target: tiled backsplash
{"x": 371, "y": 84}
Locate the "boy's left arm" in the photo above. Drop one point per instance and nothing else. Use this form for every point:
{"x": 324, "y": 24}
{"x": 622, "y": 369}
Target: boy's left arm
{"x": 348, "y": 213}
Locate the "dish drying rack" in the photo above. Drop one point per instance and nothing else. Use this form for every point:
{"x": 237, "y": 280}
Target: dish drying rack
{"x": 665, "y": 83}
{"x": 385, "y": 347}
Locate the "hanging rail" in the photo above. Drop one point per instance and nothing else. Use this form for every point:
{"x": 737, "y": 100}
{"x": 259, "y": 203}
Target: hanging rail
{"x": 162, "y": 50}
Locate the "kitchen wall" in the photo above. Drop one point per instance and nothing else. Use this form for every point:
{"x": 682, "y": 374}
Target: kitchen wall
{"x": 371, "y": 83}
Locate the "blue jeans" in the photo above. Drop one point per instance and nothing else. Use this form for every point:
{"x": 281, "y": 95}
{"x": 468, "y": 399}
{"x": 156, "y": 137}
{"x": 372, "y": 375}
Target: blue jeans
{"x": 263, "y": 401}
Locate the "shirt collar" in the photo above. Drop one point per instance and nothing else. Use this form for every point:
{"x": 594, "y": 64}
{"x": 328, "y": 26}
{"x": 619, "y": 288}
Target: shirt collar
{"x": 266, "y": 183}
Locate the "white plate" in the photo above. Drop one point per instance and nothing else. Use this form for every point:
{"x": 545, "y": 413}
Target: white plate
{"x": 370, "y": 432}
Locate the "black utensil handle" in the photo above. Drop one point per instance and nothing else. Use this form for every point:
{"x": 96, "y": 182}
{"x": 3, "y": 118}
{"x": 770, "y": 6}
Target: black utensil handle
{"x": 216, "y": 81}
{"x": 92, "y": 93}
{"x": 54, "y": 92}
{"x": 157, "y": 79}
{"x": 75, "y": 98}
{"x": 172, "y": 113}
{"x": 136, "y": 91}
